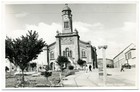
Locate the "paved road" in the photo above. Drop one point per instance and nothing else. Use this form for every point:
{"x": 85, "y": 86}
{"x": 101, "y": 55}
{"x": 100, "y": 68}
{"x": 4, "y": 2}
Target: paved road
{"x": 91, "y": 79}
{"x": 80, "y": 79}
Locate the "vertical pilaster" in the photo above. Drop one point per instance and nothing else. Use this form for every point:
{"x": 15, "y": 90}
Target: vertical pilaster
{"x": 57, "y": 47}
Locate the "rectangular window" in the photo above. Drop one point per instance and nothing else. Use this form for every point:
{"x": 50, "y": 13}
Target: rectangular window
{"x": 51, "y": 55}
{"x": 83, "y": 54}
{"x": 66, "y": 25}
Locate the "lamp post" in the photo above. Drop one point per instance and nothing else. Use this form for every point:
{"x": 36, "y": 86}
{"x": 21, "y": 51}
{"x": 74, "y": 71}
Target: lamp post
{"x": 104, "y": 47}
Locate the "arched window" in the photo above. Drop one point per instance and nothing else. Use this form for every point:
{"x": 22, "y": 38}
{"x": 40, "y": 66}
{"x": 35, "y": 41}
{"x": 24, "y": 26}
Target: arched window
{"x": 51, "y": 55}
{"x": 67, "y": 53}
{"x": 83, "y": 53}
{"x": 64, "y": 54}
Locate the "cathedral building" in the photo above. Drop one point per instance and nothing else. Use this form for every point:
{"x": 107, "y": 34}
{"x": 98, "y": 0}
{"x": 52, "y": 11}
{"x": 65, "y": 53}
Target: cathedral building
{"x": 68, "y": 44}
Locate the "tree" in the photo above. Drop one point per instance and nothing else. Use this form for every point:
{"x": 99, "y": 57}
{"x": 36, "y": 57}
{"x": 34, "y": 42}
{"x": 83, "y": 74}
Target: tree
{"x": 22, "y": 50}
{"x": 62, "y": 61}
{"x": 81, "y": 62}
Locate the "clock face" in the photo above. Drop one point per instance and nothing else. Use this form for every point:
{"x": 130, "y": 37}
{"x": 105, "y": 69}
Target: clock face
{"x": 66, "y": 12}
{"x": 67, "y": 40}
{"x": 65, "y": 17}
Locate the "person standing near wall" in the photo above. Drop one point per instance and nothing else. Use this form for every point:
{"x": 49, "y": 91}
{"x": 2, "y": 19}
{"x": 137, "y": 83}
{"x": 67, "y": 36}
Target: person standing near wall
{"x": 90, "y": 68}
{"x": 86, "y": 68}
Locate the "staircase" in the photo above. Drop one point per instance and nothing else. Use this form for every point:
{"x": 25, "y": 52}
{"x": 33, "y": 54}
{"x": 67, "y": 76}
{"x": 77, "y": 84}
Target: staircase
{"x": 71, "y": 61}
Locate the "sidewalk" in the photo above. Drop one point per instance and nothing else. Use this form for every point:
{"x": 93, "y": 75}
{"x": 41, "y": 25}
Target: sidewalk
{"x": 92, "y": 79}
{"x": 82, "y": 79}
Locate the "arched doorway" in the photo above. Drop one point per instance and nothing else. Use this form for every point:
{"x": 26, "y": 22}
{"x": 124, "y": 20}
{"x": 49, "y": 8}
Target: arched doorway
{"x": 52, "y": 66}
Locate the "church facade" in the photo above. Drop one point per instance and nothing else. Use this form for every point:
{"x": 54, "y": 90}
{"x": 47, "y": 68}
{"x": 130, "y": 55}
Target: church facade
{"x": 68, "y": 44}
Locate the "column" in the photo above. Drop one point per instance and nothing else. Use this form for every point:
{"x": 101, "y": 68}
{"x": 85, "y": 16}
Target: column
{"x": 104, "y": 62}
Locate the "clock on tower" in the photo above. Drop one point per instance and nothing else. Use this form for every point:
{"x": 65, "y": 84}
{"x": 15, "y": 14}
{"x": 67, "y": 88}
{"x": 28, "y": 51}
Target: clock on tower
{"x": 67, "y": 20}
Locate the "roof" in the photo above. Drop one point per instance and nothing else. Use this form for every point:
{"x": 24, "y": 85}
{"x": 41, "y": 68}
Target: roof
{"x": 84, "y": 42}
{"x": 66, "y": 8}
{"x": 52, "y": 44}
{"x": 106, "y": 59}
{"x": 130, "y": 50}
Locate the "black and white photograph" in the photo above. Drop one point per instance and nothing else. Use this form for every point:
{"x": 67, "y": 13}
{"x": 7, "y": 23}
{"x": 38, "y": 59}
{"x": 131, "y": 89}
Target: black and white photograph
{"x": 71, "y": 45}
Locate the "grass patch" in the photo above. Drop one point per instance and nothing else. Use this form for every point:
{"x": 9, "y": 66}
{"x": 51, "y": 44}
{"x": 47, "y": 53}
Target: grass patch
{"x": 40, "y": 80}
{"x": 33, "y": 81}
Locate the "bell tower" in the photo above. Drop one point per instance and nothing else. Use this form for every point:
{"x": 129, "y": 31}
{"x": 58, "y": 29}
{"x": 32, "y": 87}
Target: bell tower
{"x": 66, "y": 20}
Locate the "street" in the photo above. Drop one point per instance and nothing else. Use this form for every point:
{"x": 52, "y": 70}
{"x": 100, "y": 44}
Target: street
{"x": 115, "y": 78}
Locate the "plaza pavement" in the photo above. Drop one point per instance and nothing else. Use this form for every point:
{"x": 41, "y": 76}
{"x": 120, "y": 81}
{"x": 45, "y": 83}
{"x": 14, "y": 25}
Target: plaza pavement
{"x": 115, "y": 78}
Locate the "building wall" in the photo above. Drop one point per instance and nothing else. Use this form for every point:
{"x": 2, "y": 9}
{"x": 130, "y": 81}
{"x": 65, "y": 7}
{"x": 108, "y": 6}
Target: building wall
{"x": 131, "y": 57}
{"x": 120, "y": 59}
{"x": 84, "y": 47}
{"x": 108, "y": 62}
{"x": 89, "y": 56}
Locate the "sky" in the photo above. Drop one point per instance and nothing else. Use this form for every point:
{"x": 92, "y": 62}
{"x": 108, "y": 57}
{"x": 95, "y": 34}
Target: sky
{"x": 113, "y": 25}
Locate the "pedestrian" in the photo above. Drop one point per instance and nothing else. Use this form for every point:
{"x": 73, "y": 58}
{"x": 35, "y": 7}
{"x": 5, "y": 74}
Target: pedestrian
{"x": 90, "y": 68}
{"x": 122, "y": 68}
{"x": 86, "y": 68}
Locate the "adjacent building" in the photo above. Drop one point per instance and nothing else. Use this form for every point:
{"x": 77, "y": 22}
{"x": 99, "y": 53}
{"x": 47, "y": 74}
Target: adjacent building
{"x": 109, "y": 62}
{"x": 126, "y": 56}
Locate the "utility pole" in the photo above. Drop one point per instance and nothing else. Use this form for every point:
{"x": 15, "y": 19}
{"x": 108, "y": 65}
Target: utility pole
{"x": 104, "y": 62}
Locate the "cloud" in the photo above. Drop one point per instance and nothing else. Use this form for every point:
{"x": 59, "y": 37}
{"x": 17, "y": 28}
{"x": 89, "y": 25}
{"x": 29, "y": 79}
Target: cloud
{"x": 45, "y": 31}
{"x": 85, "y": 27}
{"x": 116, "y": 39}
{"x": 129, "y": 26}
{"x": 48, "y": 32}
{"x": 20, "y": 15}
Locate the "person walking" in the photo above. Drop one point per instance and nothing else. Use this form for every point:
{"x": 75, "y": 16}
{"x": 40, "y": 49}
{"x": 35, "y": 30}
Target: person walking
{"x": 90, "y": 68}
{"x": 122, "y": 68}
{"x": 86, "y": 68}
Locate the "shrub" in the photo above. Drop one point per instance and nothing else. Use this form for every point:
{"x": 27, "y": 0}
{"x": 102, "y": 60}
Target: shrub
{"x": 81, "y": 62}
{"x": 47, "y": 68}
{"x": 47, "y": 74}
{"x": 71, "y": 67}
{"x": 6, "y": 69}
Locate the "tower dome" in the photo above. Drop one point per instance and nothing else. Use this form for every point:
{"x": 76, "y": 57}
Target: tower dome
{"x": 66, "y": 8}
